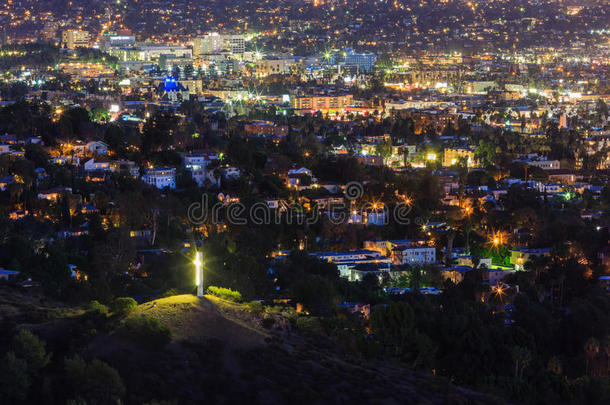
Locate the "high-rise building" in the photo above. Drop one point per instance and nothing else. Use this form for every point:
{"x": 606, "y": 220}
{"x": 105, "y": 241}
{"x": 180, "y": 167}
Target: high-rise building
{"x": 215, "y": 43}
{"x": 210, "y": 43}
{"x": 236, "y": 43}
{"x": 73, "y": 39}
{"x": 364, "y": 61}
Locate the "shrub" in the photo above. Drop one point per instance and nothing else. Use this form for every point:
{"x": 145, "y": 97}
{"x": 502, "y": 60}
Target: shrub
{"x": 170, "y": 293}
{"x": 225, "y": 293}
{"x": 97, "y": 307}
{"x": 29, "y": 347}
{"x": 279, "y": 310}
{"x": 93, "y": 383}
{"x": 14, "y": 379}
{"x": 255, "y": 307}
{"x": 123, "y": 306}
{"x": 309, "y": 324}
{"x": 146, "y": 330}
{"x": 96, "y": 311}
{"x": 103, "y": 384}
{"x": 316, "y": 293}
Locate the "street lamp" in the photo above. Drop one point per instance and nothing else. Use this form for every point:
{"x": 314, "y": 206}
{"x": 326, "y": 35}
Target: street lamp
{"x": 497, "y": 239}
{"x": 198, "y": 273}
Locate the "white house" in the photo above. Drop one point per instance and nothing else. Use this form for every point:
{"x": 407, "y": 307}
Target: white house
{"x": 197, "y": 164}
{"x": 125, "y": 167}
{"x": 93, "y": 165}
{"x": 300, "y": 178}
{"x": 354, "y": 264}
{"x": 539, "y": 161}
{"x": 230, "y": 172}
{"x": 414, "y": 254}
{"x": 201, "y": 175}
{"x": 195, "y": 161}
{"x": 160, "y": 177}
{"x": 347, "y": 255}
{"x": 97, "y": 147}
{"x": 303, "y": 171}
{"x": 496, "y": 274}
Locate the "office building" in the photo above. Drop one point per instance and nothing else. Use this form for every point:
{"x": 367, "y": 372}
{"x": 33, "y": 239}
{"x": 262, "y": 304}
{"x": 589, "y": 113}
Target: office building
{"x": 364, "y": 61}
{"x": 73, "y": 39}
{"x": 216, "y": 43}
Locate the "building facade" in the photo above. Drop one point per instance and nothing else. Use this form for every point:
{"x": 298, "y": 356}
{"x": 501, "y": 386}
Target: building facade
{"x": 160, "y": 177}
{"x": 72, "y": 39}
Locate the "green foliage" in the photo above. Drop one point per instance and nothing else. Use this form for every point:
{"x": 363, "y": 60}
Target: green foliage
{"x": 23, "y": 119}
{"x": 169, "y": 293}
{"x": 146, "y": 330}
{"x": 522, "y": 358}
{"x": 317, "y": 294}
{"x": 280, "y": 310}
{"x": 384, "y": 149}
{"x": 394, "y": 327}
{"x": 103, "y": 383}
{"x": 123, "y": 306}
{"x": 96, "y": 382}
{"x": 14, "y": 379}
{"x": 95, "y": 311}
{"x": 37, "y": 154}
{"x": 28, "y": 54}
{"x": 256, "y": 307}
{"x": 341, "y": 170}
{"x": 299, "y": 263}
{"x": 224, "y": 293}
{"x": 309, "y": 324}
{"x": 427, "y": 275}
{"x": 13, "y": 91}
{"x": 30, "y": 348}
{"x": 157, "y": 132}
{"x": 75, "y": 369}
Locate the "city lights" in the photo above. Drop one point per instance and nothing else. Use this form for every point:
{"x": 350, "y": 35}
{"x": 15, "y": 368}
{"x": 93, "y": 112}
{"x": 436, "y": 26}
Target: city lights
{"x": 421, "y": 183}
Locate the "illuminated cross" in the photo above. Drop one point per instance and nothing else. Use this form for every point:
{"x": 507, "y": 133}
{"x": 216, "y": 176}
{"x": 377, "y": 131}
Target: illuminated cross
{"x": 198, "y": 273}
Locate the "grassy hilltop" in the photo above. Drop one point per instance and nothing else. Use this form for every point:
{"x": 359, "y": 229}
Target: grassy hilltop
{"x": 224, "y": 352}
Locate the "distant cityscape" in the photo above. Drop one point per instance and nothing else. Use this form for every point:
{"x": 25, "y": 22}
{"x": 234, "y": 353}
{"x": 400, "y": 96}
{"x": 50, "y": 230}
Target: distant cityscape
{"x": 323, "y": 201}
